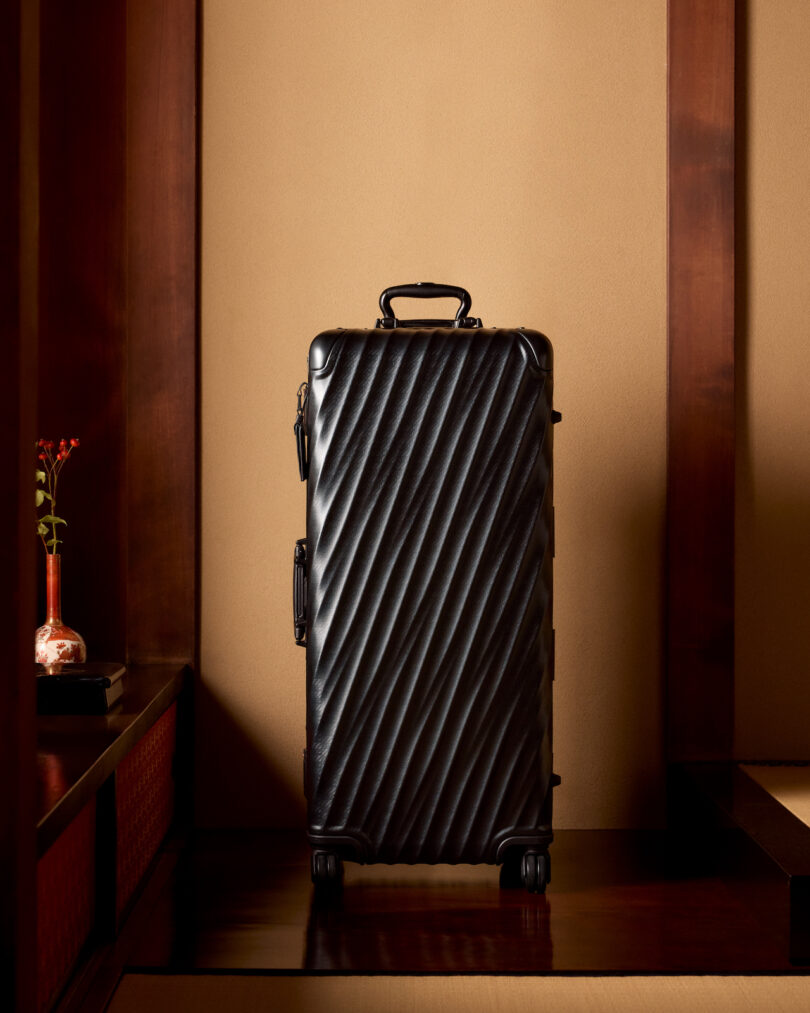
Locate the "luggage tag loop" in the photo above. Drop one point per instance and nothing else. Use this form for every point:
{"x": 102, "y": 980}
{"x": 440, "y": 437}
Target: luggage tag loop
{"x": 300, "y": 431}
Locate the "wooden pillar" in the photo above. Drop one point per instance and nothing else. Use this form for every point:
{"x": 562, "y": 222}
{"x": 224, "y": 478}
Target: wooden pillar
{"x": 19, "y": 213}
{"x": 161, "y": 358}
{"x": 700, "y": 501}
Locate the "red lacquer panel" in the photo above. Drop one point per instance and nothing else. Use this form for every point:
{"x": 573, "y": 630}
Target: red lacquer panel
{"x": 65, "y": 903}
{"x": 144, "y": 795}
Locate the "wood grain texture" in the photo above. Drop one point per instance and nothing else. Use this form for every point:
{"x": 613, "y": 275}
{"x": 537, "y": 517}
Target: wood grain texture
{"x": 700, "y": 540}
{"x": 161, "y": 251}
{"x": 19, "y": 168}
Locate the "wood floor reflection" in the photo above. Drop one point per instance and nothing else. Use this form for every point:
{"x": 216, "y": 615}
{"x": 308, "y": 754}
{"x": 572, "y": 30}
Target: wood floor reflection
{"x": 619, "y": 901}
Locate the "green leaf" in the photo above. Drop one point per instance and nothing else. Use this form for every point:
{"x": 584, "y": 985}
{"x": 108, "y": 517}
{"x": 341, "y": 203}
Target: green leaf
{"x": 40, "y": 475}
{"x": 39, "y": 498}
{"x": 47, "y": 495}
{"x": 54, "y": 542}
{"x": 50, "y": 519}
{"x": 41, "y": 529}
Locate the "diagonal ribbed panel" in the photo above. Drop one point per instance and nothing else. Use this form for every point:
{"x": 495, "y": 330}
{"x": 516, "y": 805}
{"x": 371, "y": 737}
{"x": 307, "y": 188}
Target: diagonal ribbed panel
{"x": 429, "y": 605}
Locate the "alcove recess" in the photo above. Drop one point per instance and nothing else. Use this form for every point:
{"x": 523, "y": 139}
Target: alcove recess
{"x": 99, "y": 196}
{"x": 117, "y": 317}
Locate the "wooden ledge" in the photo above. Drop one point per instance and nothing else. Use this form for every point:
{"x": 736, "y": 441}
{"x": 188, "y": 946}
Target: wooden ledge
{"x": 77, "y": 753}
{"x": 758, "y": 844}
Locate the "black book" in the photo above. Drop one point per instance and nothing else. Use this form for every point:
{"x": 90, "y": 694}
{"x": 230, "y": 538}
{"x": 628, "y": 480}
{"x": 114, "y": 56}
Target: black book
{"x": 78, "y": 689}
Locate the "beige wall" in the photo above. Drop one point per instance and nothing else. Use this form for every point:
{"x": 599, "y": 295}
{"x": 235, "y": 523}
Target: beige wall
{"x": 517, "y": 149}
{"x": 773, "y": 479}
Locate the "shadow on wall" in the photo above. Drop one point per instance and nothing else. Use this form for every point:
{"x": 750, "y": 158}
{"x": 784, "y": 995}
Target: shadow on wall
{"x": 609, "y": 612}
{"x": 638, "y": 689}
{"x": 772, "y": 557}
{"x": 772, "y": 639}
{"x": 643, "y": 695}
{"x": 233, "y": 775}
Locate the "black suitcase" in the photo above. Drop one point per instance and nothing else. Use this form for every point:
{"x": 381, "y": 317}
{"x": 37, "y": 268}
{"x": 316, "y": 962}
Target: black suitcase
{"x": 423, "y": 593}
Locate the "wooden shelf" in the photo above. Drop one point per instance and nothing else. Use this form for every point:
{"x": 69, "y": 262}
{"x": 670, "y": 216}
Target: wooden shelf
{"x": 77, "y": 753}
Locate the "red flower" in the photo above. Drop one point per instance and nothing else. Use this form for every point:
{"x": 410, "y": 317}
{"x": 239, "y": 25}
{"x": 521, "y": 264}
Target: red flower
{"x": 48, "y": 473}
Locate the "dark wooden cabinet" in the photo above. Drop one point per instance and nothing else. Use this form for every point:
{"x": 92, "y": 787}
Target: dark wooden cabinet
{"x": 100, "y": 335}
{"x": 108, "y": 786}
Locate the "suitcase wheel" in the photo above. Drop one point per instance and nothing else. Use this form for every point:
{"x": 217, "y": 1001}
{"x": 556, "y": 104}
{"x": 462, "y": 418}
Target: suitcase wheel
{"x": 535, "y": 871}
{"x": 327, "y": 869}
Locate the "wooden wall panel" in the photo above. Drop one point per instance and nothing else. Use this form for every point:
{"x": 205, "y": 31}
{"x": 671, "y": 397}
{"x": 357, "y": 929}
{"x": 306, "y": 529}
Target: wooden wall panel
{"x": 700, "y": 542}
{"x": 119, "y": 317}
{"x": 83, "y": 306}
{"x": 19, "y": 158}
{"x": 162, "y": 327}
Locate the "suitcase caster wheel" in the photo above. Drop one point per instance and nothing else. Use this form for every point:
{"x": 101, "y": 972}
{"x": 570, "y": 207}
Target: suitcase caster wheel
{"x": 535, "y": 870}
{"x": 327, "y": 869}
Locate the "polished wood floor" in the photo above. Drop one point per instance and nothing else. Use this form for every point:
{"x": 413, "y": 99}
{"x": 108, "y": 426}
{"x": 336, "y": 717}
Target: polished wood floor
{"x": 619, "y": 901}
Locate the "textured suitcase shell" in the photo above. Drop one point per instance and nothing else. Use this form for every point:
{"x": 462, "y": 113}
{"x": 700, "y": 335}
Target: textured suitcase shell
{"x": 429, "y": 593}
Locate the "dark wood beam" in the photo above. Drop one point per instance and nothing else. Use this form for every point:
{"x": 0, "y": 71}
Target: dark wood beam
{"x": 700, "y": 500}
{"x": 161, "y": 249}
{"x": 19, "y": 213}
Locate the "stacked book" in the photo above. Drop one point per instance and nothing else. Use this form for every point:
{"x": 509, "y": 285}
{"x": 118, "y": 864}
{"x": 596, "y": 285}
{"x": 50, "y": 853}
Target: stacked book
{"x": 78, "y": 688}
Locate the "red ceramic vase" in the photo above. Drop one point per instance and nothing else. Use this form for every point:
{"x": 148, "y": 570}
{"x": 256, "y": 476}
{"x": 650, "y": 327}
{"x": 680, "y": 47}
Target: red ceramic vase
{"x": 54, "y": 642}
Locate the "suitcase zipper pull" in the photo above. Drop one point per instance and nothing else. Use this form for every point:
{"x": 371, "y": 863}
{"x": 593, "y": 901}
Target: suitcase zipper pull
{"x": 300, "y": 431}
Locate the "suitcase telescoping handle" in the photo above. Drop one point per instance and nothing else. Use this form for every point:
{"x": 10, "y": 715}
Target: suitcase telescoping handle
{"x": 427, "y": 290}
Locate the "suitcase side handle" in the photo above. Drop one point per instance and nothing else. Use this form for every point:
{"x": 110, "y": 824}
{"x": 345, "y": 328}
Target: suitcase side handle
{"x": 300, "y": 592}
{"x": 426, "y": 290}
